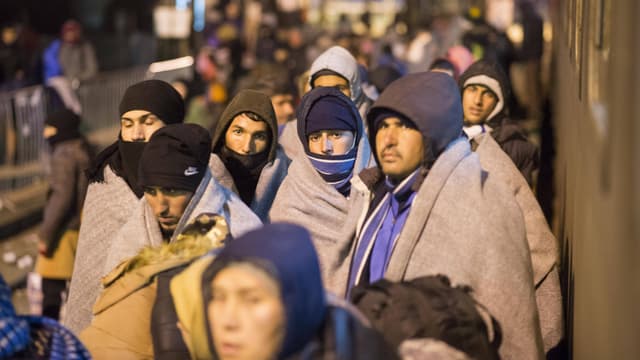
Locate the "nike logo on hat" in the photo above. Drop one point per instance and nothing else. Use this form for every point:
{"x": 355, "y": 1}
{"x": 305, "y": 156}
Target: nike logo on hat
{"x": 191, "y": 170}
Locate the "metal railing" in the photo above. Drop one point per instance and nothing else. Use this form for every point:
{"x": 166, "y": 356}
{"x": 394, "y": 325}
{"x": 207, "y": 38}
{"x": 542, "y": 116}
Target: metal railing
{"x": 23, "y": 112}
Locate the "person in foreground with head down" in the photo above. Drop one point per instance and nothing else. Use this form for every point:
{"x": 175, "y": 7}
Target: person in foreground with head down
{"x": 246, "y": 155}
{"x": 335, "y": 68}
{"x": 113, "y": 189}
{"x": 34, "y": 337}
{"x": 315, "y": 192}
{"x": 429, "y": 210}
{"x": 127, "y": 324}
{"x": 262, "y": 298}
{"x": 427, "y": 318}
{"x": 58, "y": 234}
{"x": 178, "y": 186}
{"x": 485, "y": 98}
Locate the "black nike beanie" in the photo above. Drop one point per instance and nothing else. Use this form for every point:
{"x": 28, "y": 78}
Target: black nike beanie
{"x": 177, "y": 156}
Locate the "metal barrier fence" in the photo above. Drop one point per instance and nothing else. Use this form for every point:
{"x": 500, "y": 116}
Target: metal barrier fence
{"x": 23, "y": 111}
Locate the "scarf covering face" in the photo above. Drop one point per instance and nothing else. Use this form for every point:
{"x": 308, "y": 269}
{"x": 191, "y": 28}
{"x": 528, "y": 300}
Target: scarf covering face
{"x": 245, "y": 171}
{"x": 130, "y": 154}
{"x": 329, "y": 109}
{"x": 292, "y": 262}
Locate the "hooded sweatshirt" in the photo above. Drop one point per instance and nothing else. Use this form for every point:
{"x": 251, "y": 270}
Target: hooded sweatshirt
{"x": 339, "y": 61}
{"x": 305, "y": 198}
{"x": 314, "y": 323}
{"x": 256, "y": 185}
{"x": 507, "y": 134}
{"x": 460, "y": 224}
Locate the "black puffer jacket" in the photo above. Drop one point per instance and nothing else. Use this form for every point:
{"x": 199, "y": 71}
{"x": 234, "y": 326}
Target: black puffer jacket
{"x": 506, "y": 132}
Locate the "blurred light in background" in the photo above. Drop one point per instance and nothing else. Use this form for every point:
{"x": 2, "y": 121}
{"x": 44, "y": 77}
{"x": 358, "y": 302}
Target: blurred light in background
{"x": 169, "y": 65}
{"x": 199, "y": 12}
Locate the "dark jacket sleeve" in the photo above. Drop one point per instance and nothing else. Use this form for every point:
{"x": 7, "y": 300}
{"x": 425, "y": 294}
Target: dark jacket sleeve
{"x": 61, "y": 198}
{"x": 525, "y": 156}
{"x": 167, "y": 339}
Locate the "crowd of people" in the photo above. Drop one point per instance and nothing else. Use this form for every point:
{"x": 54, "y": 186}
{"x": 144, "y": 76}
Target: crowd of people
{"x": 339, "y": 209}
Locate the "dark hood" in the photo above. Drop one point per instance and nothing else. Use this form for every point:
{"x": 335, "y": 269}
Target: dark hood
{"x": 285, "y": 251}
{"x": 248, "y": 101}
{"x": 311, "y": 98}
{"x": 431, "y": 100}
{"x": 491, "y": 70}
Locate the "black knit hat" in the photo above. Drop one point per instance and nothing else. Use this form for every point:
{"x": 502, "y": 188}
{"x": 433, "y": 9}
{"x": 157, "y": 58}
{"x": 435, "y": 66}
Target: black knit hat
{"x": 157, "y": 97}
{"x": 66, "y": 122}
{"x": 176, "y": 156}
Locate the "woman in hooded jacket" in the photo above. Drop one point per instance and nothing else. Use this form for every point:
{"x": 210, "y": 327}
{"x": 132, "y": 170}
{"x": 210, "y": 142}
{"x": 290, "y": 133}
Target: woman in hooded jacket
{"x": 262, "y": 298}
{"x": 315, "y": 192}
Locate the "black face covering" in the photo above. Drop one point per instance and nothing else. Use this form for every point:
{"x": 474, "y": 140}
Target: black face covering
{"x": 245, "y": 170}
{"x": 130, "y": 153}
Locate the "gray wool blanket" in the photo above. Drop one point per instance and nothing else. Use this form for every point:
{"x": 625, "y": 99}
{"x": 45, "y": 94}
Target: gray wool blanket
{"x": 107, "y": 207}
{"x": 306, "y": 199}
{"x": 465, "y": 227}
{"x": 269, "y": 181}
{"x": 142, "y": 229}
{"x": 542, "y": 243}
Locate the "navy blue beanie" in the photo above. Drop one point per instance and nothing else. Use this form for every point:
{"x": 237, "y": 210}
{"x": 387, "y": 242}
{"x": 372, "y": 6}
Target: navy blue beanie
{"x": 330, "y": 113}
{"x": 291, "y": 260}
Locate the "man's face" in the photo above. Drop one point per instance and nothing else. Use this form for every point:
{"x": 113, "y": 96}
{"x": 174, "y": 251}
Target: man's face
{"x": 246, "y": 315}
{"x": 246, "y": 136}
{"x": 331, "y": 142}
{"x": 139, "y": 125}
{"x": 477, "y": 103}
{"x": 333, "y": 81}
{"x": 399, "y": 147}
{"x": 167, "y": 205}
{"x": 283, "y": 107}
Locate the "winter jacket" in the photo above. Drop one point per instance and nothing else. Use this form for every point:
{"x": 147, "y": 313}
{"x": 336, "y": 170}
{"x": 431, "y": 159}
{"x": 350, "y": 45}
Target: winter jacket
{"x": 273, "y": 173}
{"x": 506, "y": 133}
{"x": 543, "y": 246}
{"x": 121, "y": 327}
{"x": 306, "y": 199}
{"x": 460, "y": 225}
{"x": 67, "y": 190}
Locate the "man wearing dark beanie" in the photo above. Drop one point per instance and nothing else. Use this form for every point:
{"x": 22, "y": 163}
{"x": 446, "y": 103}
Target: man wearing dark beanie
{"x": 178, "y": 186}
{"x": 113, "y": 188}
{"x": 170, "y": 183}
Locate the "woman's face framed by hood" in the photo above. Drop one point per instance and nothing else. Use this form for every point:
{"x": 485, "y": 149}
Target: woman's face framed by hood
{"x": 246, "y": 314}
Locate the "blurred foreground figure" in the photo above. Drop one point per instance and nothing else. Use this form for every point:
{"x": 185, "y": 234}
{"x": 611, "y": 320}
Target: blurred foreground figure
{"x": 262, "y": 298}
